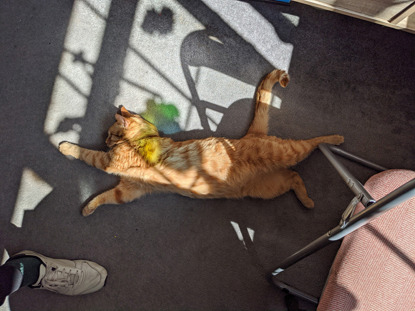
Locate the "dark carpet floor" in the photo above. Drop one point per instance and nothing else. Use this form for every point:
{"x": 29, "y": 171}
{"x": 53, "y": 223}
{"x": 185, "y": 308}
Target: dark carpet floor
{"x": 66, "y": 67}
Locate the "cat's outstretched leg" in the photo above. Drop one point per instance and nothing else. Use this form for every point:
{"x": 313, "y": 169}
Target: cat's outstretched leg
{"x": 98, "y": 159}
{"x": 259, "y": 125}
{"x": 273, "y": 184}
{"x": 297, "y": 150}
{"x": 124, "y": 192}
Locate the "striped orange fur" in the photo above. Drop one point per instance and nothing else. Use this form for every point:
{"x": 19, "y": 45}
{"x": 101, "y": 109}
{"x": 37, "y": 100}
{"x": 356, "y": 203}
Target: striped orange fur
{"x": 256, "y": 165}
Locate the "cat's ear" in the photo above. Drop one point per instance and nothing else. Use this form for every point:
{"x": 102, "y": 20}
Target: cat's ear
{"x": 125, "y": 113}
{"x": 121, "y": 120}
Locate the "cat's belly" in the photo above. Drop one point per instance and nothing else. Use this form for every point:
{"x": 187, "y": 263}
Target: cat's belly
{"x": 192, "y": 182}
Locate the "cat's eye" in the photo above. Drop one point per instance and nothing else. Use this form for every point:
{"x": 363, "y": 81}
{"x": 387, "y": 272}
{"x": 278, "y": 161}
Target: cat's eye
{"x": 113, "y": 134}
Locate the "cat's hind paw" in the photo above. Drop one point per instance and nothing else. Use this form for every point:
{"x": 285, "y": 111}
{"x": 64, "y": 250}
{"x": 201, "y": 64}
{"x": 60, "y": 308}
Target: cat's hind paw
{"x": 86, "y": 211}
{"x": 336, "y": 139}
{"x": 308, "y": 203}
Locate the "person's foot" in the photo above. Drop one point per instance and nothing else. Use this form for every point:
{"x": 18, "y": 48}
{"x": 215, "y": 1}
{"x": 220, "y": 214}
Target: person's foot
{"x": 68, "y": 277}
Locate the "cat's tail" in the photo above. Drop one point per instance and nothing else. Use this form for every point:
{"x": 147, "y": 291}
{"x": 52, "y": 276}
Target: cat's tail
{"x": 263, "y": 96}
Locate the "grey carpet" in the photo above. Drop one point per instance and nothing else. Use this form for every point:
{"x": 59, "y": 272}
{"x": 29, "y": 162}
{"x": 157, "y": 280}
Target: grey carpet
{"x": 203, "y": 59}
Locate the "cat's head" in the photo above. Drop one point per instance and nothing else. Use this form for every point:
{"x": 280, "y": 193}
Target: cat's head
{"x": 129, "y": 127}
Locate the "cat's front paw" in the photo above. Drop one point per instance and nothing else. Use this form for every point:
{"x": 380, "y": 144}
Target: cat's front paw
{"x": 68, "y": 149}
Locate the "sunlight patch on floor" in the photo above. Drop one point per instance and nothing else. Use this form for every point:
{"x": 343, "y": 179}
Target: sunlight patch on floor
{"x": 225, "y": 87}
{"x": 5, "y": 256}
{"x": 149, "y": 74}
{"x": 270, "y": 46}
{"x": 240, "y": 235}
{"x": 85, "y": 189}
{"x": 222, "y": 86}
{"x": 32, "y": 191}
{"x": 214, "y": 118}
{"x": 293, "y": 19}
{"x": 152, "y": 67}
{"x": 6, "y": 305}
{"x": 73, "y": 84}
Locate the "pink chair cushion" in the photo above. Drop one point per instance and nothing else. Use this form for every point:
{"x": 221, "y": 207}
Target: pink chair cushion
{"x": 374, "y": 268}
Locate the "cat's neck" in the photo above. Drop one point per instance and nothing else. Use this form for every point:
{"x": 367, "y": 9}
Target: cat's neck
{"x": 150, "y": 148}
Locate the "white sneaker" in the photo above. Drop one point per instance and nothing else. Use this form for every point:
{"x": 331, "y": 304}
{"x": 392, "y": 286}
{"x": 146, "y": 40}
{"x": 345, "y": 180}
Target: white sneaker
{"x": 68, "y": 277}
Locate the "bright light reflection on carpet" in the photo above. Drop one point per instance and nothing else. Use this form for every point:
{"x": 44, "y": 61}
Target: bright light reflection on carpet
{"x": 222, "y": 86}
{"x": 73, "y": 84}
{"x": 32, "y": 191}
{"x": 239, "y": 234}
{"x": 253, "y": 26}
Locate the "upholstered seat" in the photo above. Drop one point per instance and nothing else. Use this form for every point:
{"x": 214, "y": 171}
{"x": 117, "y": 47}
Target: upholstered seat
{"x": 374, "y": 268}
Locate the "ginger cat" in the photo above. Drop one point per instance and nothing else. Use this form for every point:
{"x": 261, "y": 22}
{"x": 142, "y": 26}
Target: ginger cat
{"x": 255, "y": 165}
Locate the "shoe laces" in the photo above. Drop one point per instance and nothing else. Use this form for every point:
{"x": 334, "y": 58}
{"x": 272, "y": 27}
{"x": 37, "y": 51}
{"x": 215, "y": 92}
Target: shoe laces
{"x": 61, "y": 277}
